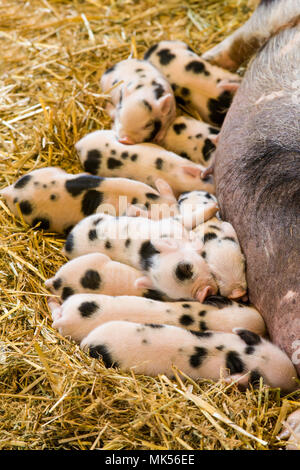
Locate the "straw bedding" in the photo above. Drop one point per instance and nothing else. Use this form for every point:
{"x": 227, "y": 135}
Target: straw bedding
{"x": 52, "y": 395}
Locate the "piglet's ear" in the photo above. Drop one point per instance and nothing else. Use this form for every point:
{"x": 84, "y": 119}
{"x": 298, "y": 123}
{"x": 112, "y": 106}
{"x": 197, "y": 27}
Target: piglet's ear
{"x": 165, "y": 189}
{"x": 229, "y": 85}
{"x": 166, "y": 245}
{"x": 165, "y": 103}
{"x": 143, "y": 283}
{"x": 192, "y": 171}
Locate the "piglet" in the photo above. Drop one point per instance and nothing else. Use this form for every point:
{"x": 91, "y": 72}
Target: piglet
{"x": 142, "y": 105}
{"x": 154, "y": 349}
{"x": 161, "y": 249}
{"x": 224, "y": 256}
{"x": 97, "y": 273}
{"x": 192, "y": 139}
{"x": 81, "y": 313}
{"x": 197, "y": 83}
{"x": 57, "y": 200}
{"x": 101, "y": 154}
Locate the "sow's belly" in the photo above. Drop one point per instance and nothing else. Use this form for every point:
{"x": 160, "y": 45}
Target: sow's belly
{"x": 257, "y": 172}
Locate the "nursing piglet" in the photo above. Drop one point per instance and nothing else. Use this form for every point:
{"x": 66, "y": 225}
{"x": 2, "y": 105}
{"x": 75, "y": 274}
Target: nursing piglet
{"x": 191, "y": 139}
{"x": 197, "y": 83}
{"x": 101, "y": 154}
{"x": 173, "y": 265}
{"x": 57, "y": 200}
{"x": 154, "y": 349}
{"x": 81, "y": 313}
{"x": 143, "y": 105}
{"x": 97, "y": 273}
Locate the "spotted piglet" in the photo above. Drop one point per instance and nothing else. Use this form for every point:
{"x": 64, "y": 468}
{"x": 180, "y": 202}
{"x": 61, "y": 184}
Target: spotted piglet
{"x": 192, "y": 139}
{"x": 207, "y": 88}
{"x": 97, "y": 273}
{"x": 173, "y": 265}
{"x": 154, "y": 349}
{"x": 143, "y": 105}
{"x": 57, "y": 200}
{"x": 101, "y": 154}
{"x": 81, "y": 313}
{"x": 223, "y": 254}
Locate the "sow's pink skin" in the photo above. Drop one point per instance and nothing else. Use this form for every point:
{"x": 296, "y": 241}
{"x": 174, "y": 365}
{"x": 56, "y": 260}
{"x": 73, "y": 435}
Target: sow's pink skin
{"x": 101, "y": 154}
{"x": 55, "y": 200}
{"x": 161, "y": 249}
{"x": 196, "y": 83}
{"x": 153, "y": 349}
{"x": 81, "y": 313}
{"x": 143, "y": 105}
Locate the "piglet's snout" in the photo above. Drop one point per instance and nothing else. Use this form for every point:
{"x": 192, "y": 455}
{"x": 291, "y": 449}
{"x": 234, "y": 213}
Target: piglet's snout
{"x": 126, "y": 140}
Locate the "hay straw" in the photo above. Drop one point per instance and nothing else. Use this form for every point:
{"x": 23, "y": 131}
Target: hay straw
{"x": 52, "y": 395}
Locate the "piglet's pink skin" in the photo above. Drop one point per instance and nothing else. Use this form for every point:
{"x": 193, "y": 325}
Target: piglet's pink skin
{"x": 192, "y": 139}
{"x": 196, "y": 83}
{"x": 143, "y": 105}
{"x": 56, "y": 200}
{"x": 81, "y": 313}
{"x": 101, "y": 154}
{"x": 161, "y": 249}
{"x": 153, "y": 349}
{"x": 96, "y": 273}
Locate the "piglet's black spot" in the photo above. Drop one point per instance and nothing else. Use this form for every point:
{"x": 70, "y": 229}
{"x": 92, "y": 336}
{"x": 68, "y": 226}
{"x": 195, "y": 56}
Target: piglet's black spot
{"x": 91, "y": 280}
{"x": 158, "y": 89}
{"x": 124, "y": 155}
{"x": 154, "y": 325}
{"x": 93, "y": 161}
{"x": 150, "y": 51}
{"x": 90, "y": 201}
{"x": 209, "y": 236}
{"x": 100, "y": 351}
{"x": 230, "y": 239}
{"x": 254, "y": 378}
{"x": 218, "y": 107}
{"x": 214, "y": 130}
{"x": 207, "y": 149}
{"x": 42, "y": 222}
{"x": 127, "y": 242}
{"x": 147, "y": 251}
{"x": 250, "y": 338}
{"x": 195, "y": 66}
{"x": 147, "y": 105}
{"x": 203, "y": 326}
{"x": 234, "y": 363}
{"x": 113, "y": 163}
{"x": 153, "y": 294}
{"x": 111, "y": 69}
{"x": 186, "y": 320}
{"x": 76, "y": 186}
{"x": 159, "y": 163}
{"x": 108, "y": 245}
{"x": 152, "y": 196}
{"x": 218, "y": 301}
{"x": 69, "y": 245}
{"x": 21, "y": 183}
{"x": 184, "y": 271}
{"x": 155, "y": 131}
{"x": 198, "y": 357}
{"x": 67, "y": 292}
{"x": 185, "y": 155}
{"x": 92, "y": 234}
{"x": 165, "y": 56}
{"x": 201, "y": 334}
{"x": 134, "y": 157}
{"x": 26, "y": 207}
{"x": 179, "y": 127}
{"x": 57, "y": 283}
{"x": 88, "y": 308}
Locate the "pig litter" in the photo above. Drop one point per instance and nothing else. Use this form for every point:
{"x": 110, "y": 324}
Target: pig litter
{"x": 53, "y": 395}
